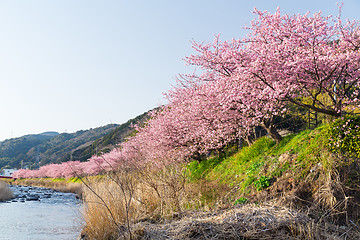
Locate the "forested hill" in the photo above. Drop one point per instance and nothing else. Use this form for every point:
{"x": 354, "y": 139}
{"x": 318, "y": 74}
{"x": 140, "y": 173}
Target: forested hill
{"x": 109, "y": 141}
{"x": 12, "y": 151}
{"x": 52, "y": 147}
{"x": 48, "y": 147}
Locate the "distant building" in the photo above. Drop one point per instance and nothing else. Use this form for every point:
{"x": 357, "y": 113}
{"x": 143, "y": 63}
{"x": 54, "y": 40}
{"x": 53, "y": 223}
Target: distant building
{"x": 8, "y": 172}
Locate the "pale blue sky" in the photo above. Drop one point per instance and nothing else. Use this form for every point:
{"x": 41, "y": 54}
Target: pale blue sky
{"x": 68, "y": 65}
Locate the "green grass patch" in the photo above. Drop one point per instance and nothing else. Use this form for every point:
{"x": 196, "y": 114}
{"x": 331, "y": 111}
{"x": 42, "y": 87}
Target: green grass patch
{"x": 199, "y": 170}
{"x": 56, "y": 179}
{"x": 262, "y": 183}
{"x": 240, "y": 201}
{"x": 253, "y": 166}
{"x": 74, "y": 180}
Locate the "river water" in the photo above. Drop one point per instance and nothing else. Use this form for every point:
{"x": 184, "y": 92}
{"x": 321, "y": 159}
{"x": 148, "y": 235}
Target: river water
{"x": 40, "y": 214}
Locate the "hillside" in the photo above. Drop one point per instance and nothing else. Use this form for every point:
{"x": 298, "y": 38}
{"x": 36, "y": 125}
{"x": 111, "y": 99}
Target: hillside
{"x": 109, "y": 141}
{"x": 300, "y": 188}
{"x": 52, "y": 147}
{"x": 48, "y": 147}
{"x": 58, "y": 149}
{"x": 13, "y": 151}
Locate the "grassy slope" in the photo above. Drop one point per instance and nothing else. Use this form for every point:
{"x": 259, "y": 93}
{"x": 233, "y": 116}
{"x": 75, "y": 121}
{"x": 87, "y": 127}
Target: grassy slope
{"x": 301, "y": 165}
{"x": 300, "y": 173}
{"x": 264, "y": 158}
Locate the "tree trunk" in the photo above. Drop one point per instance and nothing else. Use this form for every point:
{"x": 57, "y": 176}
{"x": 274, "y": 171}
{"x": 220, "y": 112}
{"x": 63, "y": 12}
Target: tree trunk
{"x": 271, "y": 130}
{"x": 330, "y": 112}
{"x": 249, "y": 140}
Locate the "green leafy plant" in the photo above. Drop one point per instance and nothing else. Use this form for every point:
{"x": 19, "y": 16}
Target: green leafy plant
{"x": 262, "y": 183}
{"x": 241, "y": 200}
{"x": 344, "y": 135}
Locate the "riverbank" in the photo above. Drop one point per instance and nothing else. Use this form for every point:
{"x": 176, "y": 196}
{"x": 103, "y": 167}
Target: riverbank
{"x": 72, "y": 185}
{"x": 297, "y": 189}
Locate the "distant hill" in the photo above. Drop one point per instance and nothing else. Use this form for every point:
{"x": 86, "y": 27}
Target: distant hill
{"x": 49, "y": 134}
{"x": 12, "y": 151}
{"x": 52, "y": 147}
{"x": 58, "y": 148}
{"x": 109, "y": 141}
{"x": 47, "y": 147}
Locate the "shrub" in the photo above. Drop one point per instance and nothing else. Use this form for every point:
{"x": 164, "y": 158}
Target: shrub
{"x": 241, "y": 200}
{"x": 262, "y": 182}
{"x": 5, "y": 192}
{"x": 343, "y": 136}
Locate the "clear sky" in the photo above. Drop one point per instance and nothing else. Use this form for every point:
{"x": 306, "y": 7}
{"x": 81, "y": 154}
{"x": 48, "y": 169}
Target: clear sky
{"x": 68, "y": 65}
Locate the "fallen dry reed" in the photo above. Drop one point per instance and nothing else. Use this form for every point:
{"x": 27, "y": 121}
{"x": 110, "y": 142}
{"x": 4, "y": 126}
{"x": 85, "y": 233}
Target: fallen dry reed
{"x": 244, "y": 222}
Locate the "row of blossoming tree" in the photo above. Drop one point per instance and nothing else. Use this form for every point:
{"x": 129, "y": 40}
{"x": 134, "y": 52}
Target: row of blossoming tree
{"x": 312, "y": 62}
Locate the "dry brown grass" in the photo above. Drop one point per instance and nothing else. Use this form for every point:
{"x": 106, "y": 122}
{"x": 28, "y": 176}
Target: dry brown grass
{"x": 245, "y": 222}
{"x": 116, "y": 202}
{"x": 161, "y": 204}
{"x": 5, "y": 192}
{"x": 105, "y": 210}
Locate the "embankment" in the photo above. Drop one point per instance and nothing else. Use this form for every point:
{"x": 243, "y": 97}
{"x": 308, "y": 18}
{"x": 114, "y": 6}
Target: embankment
{"x": 72, "y": 185}
{"x": 297, "y": 189}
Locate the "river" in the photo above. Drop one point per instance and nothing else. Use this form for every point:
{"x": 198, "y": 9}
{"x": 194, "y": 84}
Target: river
{"x": 40, "y": 214}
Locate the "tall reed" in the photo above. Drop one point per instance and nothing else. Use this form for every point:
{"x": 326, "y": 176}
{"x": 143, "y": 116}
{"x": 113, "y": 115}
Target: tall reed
{"x": 118, "y": 200}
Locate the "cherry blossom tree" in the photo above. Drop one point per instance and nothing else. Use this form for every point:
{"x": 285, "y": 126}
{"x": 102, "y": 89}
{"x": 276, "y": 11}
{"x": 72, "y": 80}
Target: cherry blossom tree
{"x": 312, "y": 61}
{"x": 254, "y": 104}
